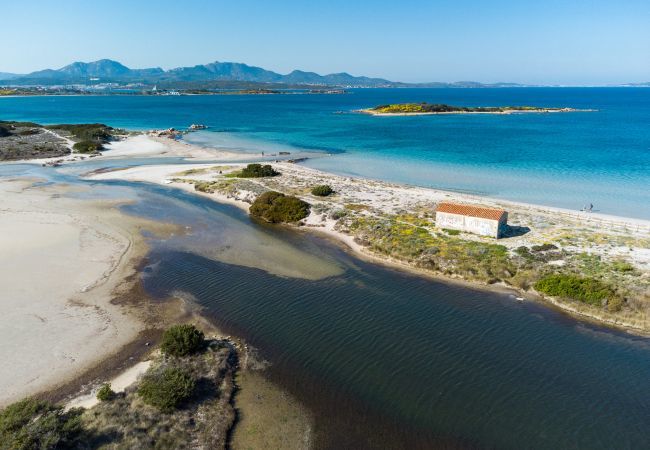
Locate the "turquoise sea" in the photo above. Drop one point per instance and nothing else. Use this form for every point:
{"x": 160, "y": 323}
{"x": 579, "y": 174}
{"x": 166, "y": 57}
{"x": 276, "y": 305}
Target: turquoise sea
{"x": 565, "y": 160}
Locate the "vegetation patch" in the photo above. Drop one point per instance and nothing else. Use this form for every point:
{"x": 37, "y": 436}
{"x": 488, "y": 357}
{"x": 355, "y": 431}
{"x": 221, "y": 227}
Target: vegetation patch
{"x": 584, "y": 289}
{"x": 166, "y": 388}
{"x": 255, "y": 171}
{"x": 86, "y": 132}
{"x": 33, "y": 424}
{"x": 105, "y": 393}
{"x": 87, "y": 147}
{"x": 543, "y": 248}
{"x": 322, "y": 190}
{"x": 444, "y": 254}
{"x": 182, "y": 340}
{"x": 275, "y": 207}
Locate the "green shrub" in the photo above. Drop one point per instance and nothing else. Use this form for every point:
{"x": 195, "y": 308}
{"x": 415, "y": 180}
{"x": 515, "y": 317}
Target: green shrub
{"x": 166, "y": 389}
{"x": 614, "y": 304}
{"x": 29, "y": 132}
{"x": 523, "y": 251}
{"x": 543, "y": 247}
{"x": 276, "y": 207}
{"x": 86, "y": 131}
{"x": 338, "y": 214}
{"x": 87, "y": 147}
{"x": 105, "y": 393}
{"x": 182, "y": 340}
{"x": 33, "y": 424}
{"x": 623, "y": 266}
{"x": 451, "y": 232}
{"x": 322, "y": 190}
{"x": 586, "y": 290}
{"x": 256, "y": 171}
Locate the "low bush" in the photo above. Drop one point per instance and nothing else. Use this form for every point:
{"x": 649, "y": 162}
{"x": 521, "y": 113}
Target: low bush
{"x": 86, "y": 131}
{"x": 4, "y": 131}
{"x": 623, "y": 266}
{"x": 586, "y": 290}
{"x": 33, "y": 424}
{"x": 338, "y": 214}
{"x": 167, "y": 388}
{"x": 614, "y": 304}
{"x": 276, "y": 207}
{"x": 322, "y": 190}
{"x": 105, "y": 393}
{"x": 182, "y": 340}
{"x": 87, "y": 147}
{"x": 256, "y": 171}
{"x": 29, "y": 132}
{"x": 543, "y": 247}
{"x": 451, "y": 232}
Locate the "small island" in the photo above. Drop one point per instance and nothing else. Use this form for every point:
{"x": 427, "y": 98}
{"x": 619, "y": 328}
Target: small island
{"x": 404, "y": 109}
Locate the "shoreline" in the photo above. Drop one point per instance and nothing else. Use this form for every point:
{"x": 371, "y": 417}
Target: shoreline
{"x": 169, "y": 175}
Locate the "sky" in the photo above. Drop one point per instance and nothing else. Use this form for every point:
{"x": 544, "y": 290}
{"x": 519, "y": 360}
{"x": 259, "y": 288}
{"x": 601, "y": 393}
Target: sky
{"x": 569, "y": 42}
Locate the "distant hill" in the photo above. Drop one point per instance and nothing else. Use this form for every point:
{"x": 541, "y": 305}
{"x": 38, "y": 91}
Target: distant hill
{"x": 106, "y": 70}
{"x": 80, "y": 72}
{"x": 212, "y": 74}
{"x": 8, "y": 76}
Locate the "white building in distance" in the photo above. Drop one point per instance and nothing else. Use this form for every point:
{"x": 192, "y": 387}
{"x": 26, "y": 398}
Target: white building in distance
{"x": 473, "y": 219}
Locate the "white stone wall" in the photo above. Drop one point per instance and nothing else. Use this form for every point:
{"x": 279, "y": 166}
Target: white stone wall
{"x": 484, "y": 227}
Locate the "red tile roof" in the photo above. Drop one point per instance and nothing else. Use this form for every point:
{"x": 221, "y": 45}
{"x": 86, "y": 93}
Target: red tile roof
{"x": 470, "y": 210}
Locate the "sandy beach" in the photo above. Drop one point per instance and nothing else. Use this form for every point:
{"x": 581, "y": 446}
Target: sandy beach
{"x": 62, "y": 262}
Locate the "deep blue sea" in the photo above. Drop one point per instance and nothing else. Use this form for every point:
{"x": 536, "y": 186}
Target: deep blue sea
{"x": 565, "y": 160}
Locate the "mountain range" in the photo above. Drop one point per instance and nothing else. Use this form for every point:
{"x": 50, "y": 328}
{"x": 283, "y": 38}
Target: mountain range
{"x": 107, "y": 70}
{"x": 213, "y": 75}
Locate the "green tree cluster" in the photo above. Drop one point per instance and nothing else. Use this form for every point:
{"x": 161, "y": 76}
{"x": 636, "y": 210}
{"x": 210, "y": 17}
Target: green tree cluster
{"x": 257, "y": 171}
{"x": 167, "y": 388}
{"x": 275, "y": 207}
{"x": 182, "y": 340}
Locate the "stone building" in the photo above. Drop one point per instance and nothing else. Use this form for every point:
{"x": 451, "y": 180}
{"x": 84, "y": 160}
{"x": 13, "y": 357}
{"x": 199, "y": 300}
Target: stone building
{"x": 473, "y": 219}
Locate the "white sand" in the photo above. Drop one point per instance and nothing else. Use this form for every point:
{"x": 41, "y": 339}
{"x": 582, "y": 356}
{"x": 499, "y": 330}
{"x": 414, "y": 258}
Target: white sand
{"x": 144, "y": 145}
{"x": 60, "y": 261}
{"x": 118, "y": 384}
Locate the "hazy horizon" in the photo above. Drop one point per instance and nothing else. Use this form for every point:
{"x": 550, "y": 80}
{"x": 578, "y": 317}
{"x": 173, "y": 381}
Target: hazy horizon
{"x": 583, "y": 43}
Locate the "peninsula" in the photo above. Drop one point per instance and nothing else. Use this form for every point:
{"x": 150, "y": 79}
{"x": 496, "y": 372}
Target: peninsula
{"x": 408, "y": 109}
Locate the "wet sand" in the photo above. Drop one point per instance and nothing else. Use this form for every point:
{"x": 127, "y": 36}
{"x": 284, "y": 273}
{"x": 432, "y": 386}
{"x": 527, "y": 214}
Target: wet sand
{"x": 62, "y": 262}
